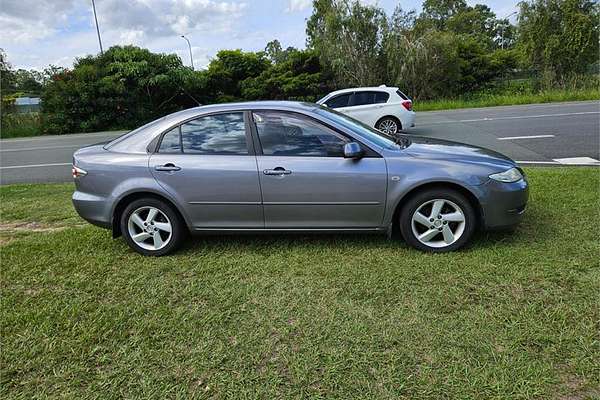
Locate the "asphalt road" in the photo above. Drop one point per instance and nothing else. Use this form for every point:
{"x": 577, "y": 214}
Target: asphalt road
{"x": 556, "y": 133}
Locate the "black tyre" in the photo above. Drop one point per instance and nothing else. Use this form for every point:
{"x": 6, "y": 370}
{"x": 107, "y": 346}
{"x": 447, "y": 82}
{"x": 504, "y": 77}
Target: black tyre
{"x": 152, "y": 227}
{"x": 389, "y": 125}
{"x": 438, "y": 220}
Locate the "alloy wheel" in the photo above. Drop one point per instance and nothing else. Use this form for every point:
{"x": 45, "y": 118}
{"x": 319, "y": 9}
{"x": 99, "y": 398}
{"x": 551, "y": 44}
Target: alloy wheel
{"x": 388, "y": 126}
{"x": 149, "y": 228}
{"x": 438, "y": 223}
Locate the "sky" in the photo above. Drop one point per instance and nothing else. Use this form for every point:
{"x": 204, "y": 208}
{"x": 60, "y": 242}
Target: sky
{"x": 37, "y": 33}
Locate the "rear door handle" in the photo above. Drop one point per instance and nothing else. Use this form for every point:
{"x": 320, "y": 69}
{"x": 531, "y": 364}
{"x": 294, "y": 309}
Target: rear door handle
{"x": 167, "y": 167}
{"x": 277, "y": 171}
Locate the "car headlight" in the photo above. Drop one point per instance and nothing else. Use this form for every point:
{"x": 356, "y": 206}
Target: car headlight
{"x": 508, "y": 176}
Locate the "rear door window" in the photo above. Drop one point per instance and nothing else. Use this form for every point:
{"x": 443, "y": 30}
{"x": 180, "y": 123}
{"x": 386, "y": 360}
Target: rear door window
{"x": 215, "y": 134}
{"x": 362, "y": 98}
{"x": 381, "y": 97}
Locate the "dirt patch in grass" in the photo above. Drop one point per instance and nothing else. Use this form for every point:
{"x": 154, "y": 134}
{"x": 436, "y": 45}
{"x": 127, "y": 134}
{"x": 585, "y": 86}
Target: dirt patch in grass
{"x": 32, "y": 226}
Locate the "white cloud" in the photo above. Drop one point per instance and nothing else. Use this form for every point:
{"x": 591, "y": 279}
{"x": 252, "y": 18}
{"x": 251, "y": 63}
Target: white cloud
{"x": 24, "y": 21}
{"x": 298, "y": 5}
{"x": 139, "y": 19}
{"x": 132, "y": 20}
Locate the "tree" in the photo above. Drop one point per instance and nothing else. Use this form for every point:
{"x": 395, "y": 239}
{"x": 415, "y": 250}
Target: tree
{"x": 348, "y": 37}
{"x": 225, "y": 73}
{"x": 559, "y": 38}
{"x": 299, "y": 77}
{"x": 124, "y": 87}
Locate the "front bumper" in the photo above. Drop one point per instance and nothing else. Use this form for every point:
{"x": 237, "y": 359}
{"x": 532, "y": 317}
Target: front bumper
{"x": 505, "y": 204}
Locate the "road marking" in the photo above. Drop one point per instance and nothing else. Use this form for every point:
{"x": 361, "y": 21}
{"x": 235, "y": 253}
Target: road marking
{"x": 509, "y": 118}
{"x": 537, "y": 162}
{"x": 75, "y": 146}
{"x": 35, "y": 165}
{"x": 525, "y": 137}
{"x": 577, "y": 161}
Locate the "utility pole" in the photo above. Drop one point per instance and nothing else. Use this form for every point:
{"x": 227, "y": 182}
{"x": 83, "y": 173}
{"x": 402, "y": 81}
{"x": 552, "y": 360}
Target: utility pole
{"x": 502, "y": 30}
{"x": 97, "y": 29}
{"x": 190, "y": 48}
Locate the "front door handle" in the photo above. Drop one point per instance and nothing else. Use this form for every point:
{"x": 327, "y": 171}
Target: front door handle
{"x": 277, "y": 171}
{"x": 167, "y": 167}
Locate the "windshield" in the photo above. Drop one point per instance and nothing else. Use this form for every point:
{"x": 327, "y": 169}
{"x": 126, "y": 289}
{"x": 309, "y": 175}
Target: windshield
{"x": 359, "y": 128}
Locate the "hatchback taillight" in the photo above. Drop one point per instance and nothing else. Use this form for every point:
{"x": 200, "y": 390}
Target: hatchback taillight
{"x": 407, "y": 104}
{"x": 78, "y": 172}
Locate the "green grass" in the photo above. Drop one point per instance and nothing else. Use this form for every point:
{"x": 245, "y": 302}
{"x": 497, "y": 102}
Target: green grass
{"x": 515, "y": 316}
{"x": 20, "y": 125}
{"x": 506, "y": 99}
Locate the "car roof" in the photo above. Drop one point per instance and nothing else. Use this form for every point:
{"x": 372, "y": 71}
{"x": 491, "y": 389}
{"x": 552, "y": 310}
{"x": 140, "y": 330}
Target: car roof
{"x": 255, "y": 105}
{"x": 382, "y": 88}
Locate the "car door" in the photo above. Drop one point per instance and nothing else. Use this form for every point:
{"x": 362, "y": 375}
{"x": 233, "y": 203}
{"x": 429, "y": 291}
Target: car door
{"x": 208, "y": 165}
{"x": 367, "y": 106}
{"x": 307, "y": 183}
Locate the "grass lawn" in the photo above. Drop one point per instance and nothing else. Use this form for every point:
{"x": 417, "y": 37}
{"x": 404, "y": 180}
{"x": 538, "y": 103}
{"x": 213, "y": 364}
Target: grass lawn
{"x": 490, "y": 100}
{"x": 515, "y": 316}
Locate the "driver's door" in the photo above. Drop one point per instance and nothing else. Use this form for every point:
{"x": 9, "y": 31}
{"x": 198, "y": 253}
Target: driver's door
{"x": 307, "y": 183}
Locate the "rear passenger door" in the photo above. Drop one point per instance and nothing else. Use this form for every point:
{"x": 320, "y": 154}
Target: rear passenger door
{"x": 366, "y": 106}
{"x": 208, "y": 165}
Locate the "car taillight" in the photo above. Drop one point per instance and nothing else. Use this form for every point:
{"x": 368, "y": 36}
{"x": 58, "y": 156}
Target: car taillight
{"x": 407, "y": 104}
{"x": 78, "y": 172}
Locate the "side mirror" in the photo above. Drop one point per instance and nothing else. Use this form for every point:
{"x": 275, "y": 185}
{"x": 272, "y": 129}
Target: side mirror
{"x": 353, "y": 150}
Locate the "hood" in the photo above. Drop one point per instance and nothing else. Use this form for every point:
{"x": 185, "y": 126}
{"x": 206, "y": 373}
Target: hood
{"x": 424, "y": 147}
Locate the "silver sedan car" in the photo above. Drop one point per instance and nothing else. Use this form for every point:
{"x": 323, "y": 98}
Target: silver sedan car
{"x": 290, "y": 167}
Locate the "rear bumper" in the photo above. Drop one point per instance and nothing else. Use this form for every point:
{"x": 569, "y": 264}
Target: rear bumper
{"x": 408, "y": 120}
{"x": 92, "y": 208}
{"x": 505, "y": 204}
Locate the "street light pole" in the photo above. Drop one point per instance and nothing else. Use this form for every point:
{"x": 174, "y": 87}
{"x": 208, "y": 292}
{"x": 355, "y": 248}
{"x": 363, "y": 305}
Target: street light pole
{"x": 502, "y": 30}
{"x": 97, "y": 29}
{"x": 190, "y": 47}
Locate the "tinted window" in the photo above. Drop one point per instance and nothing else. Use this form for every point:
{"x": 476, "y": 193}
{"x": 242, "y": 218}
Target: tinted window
{"x": 368, "y": 97}
{"x": 170, "y": 142}
{"x": 381, "y": 97}
{"x": 362, "y": 98}
{"x": 339, "y": 101}
{"x": 359, "y": 128}
{"x": 402, "y": 95}
{"x": 215, "y": 134}
{"x": 284, "y": 134}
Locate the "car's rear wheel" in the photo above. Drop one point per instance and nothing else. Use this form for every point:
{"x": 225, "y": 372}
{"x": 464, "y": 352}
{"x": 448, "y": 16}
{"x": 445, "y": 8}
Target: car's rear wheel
{"x": 389, "y": 125}
{"x": 152, "y": 227}
{"x": 438, "y": 220}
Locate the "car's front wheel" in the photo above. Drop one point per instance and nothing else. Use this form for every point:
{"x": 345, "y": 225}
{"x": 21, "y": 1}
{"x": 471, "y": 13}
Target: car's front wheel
{"x": 151, "y": 227}
{"x": 389, "y": 125}
{"x": 438, "y": 220}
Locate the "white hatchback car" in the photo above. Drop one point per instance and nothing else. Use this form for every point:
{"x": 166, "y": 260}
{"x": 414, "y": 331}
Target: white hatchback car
{"x": 384, "y": 108}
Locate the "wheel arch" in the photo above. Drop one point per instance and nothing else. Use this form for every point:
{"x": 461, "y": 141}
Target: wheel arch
{"x": 128, "y": 198}
{"x": 400, "y": 127}
{"x": 473, "y": 200}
